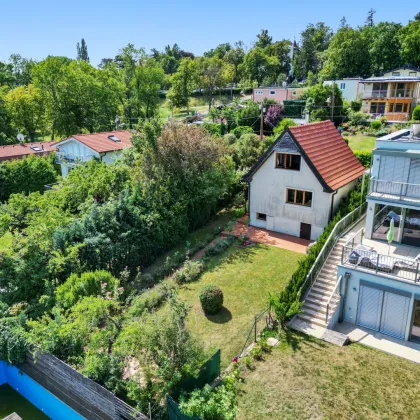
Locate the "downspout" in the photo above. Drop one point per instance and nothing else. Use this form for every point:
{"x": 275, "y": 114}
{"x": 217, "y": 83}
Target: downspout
{"x": 249, "y": 199}
{"x": 332, "y": 204}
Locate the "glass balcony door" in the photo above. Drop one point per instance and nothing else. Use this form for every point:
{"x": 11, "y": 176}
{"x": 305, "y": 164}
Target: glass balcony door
{"x": 411, "y": 232}
{"x": 415, "y": 327}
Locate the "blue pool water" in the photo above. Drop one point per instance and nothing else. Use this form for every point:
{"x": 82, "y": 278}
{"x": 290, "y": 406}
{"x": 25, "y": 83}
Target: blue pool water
{"x": 50, "y": 405}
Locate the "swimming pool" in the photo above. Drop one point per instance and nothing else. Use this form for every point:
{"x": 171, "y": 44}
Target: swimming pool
{"x": 46, "y": 402}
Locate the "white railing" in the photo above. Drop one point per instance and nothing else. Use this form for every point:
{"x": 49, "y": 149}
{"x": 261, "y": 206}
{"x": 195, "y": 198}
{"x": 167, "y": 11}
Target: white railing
{"x": 332, "y": 239}
{"x": 399, "y": 190}
{"x": 333, "y": 294}
{"x": 393, "y": 93}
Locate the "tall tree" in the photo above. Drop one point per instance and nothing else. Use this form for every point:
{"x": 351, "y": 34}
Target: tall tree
{"x": 82, "y": 51}
{"x": 343, "y": 22}
{"x": 211, "y": 74}
{"x": 258, "y": 66}
{"x": 235, "y": 56}
{"x": 410, "y": 43}
{"x": 417, "y": 17}
{"x": 263, "y": 39}
{"x": 314, "y": 40}
{"x": 347, "y": 55}
{"x": 26, "y": 107}
{"x": 369, "y": 18}
{"x": 21, "y": 69}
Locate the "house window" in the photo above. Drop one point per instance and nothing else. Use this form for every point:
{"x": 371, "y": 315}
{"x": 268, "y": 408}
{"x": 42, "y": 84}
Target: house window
{"x": 401, "y": 90}
{"x": 299, "y": 197}
{"x": 342, "y": 86}
{"x": 396, "y": 73}
{"x": 288, "y": 161}
{"x": 413, "y": 73}
{"x": 398, "y": 107}
{"x": 380, "y": 90}
{"x": 272, "y": 92}
{"x": 377, "y": 107}
{"x": 262, "y": 216}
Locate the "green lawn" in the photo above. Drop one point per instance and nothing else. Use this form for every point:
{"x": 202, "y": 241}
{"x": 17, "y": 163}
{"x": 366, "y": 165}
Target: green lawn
{"x": 305, "y": 378}
{"x": 5, "y": 242}
{"x": 361, "y": 142}
{"x": 246, "y": 276}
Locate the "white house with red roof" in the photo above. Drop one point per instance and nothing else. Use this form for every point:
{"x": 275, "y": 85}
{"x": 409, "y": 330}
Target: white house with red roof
{"x": 80, "y": 148}
{"x": 297, "y": 185}
{"x": 22, "y": 150}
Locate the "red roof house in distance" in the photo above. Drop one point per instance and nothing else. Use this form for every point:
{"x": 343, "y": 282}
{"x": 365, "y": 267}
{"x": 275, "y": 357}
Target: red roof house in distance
{"x": 297, "y": 185}
{"x": 19, "y": 151}
{"x": 79, "y": 148}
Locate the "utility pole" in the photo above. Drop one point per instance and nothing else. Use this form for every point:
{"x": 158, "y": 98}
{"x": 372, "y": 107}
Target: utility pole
{"x": 332, "y": 102}
{"x": 262, "y": 121}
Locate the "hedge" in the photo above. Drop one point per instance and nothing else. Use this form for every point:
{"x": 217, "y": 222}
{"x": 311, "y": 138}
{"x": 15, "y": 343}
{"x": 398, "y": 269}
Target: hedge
{"x": 364, "y": 157}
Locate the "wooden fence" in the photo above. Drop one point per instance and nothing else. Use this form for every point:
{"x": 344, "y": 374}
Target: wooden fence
{"x": 85, "y": 396}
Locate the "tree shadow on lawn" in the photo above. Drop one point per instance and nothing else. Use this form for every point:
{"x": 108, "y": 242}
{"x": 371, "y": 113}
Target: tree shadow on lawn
{"x": 294, "y": 339}
{"x": 222, "y": 317}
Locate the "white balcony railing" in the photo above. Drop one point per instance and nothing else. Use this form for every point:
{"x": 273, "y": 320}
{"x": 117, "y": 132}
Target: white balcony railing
{"x": 71, "y": 159}
{"x": 394, "y": 190}
{"x": 393, "y": 93}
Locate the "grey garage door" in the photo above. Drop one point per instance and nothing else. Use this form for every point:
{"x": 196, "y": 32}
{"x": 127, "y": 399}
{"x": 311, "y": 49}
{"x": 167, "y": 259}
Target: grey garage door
{"x": 383, "y": 311}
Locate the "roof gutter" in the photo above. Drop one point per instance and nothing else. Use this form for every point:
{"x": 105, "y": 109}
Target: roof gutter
{"x": 332, "y": 204}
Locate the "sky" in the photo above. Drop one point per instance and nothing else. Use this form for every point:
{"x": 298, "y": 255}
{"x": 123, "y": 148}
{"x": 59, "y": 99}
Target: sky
{"x": 36, "y": 29}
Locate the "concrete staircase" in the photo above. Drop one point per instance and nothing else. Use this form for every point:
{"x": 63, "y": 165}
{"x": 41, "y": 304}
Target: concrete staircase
{"x": 315, "y": 305}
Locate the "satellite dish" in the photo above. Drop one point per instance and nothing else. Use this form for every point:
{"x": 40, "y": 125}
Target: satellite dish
{"x": 20, "y": 137}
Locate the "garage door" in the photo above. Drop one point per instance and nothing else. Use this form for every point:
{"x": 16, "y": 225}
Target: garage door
{"x": 383, "y": 311}
{"x": 369, "y": 308}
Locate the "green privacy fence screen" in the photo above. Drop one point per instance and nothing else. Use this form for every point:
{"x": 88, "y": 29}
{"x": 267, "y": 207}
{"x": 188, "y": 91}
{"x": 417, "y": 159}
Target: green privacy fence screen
{"x": 207, "y": 374}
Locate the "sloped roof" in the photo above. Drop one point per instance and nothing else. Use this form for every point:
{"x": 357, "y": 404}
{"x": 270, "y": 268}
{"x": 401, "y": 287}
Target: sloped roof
{"x": 100, "y": 142}
{"x": 18, "y": 151}
{"x": 326, "y": 153}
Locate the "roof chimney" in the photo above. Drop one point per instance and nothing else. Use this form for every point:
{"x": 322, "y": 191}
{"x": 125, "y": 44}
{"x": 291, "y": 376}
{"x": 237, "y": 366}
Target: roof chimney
{"x": 307, "y": 116}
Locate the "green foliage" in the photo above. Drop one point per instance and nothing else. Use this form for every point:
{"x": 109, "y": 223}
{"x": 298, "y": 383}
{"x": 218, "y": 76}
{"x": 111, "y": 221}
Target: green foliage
{"x": 375, "y": 125}
{"x": 358, "y": 119}
{"x": 215, "y": 129}
{"x": 416, "y": 113}
{"x": 211, "y": 299}
{"x": 283, "y": 124}
{"x": 25, "y": 175}
{"x": 356, "y": 106}
{"x": 364, "y": 157}
{"x": 239, "y": 131}
{"x": 219, "y": 246}
{"x": 190, "y": 272}
{"x": 13, "y": 342}
{"x": 97, "y": 283}
{"x": 247, "y": 150}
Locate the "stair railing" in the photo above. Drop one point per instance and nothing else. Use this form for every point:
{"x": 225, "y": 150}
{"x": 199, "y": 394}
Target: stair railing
{"x": 334, "y": 292}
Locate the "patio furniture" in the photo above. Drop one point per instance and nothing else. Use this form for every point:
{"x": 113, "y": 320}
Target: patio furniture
{"x": 409, "y": 263}
{"x": 358, "y": 253}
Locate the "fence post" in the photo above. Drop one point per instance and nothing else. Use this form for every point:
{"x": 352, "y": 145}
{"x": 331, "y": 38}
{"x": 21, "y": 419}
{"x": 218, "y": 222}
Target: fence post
{"x": 255, "y": 329}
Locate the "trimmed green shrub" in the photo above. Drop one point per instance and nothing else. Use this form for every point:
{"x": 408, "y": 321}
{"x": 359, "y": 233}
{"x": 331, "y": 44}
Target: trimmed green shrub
{"x": 219, "y": 247}
{"x": 416, "y": 113}
{"x": 239, "y": 131}
{"x": 358, "y": 119}
{"x": 190, "y": 272}
{"x": 381, "y": 132}
{"x": 375, "y": 125}
{"x": 215, "y": 129}
{"x": 364, "y": 157}
{"x": 211, "y": 299}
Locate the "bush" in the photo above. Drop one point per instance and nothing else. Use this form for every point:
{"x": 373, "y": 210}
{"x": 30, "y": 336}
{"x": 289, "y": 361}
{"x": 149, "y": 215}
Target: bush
{"x": 211, "y": 299}
{"x": 356, "y": 106}
{"x": 215, "y": 129}
{"x": 219, "y": 247}
{"x": 239, "y": 131}
{"x": 358, "y": 119}
{"x": 229, "y": 139}
{"x": 94, "y": 283}
{"x": 375, "y": 125}
{"x": 364, "y": 157}
{"x": 239, "y": 212}
{"x": 416, "y": 113}
{"x": 346, "y": 140}
{"x": 190, "y": 272}
{"x": 381, "y": 132}
{"x": 285, "y": 122}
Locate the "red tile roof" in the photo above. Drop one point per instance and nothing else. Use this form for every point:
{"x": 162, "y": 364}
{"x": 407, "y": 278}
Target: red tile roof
{"x": 18, "y": 151}
{"x": 100, "y": 142}
{"x": 328, "y": 153}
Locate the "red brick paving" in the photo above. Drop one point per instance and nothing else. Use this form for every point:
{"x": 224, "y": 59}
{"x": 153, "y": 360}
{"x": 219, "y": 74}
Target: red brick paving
{"x": 263, "y": 236}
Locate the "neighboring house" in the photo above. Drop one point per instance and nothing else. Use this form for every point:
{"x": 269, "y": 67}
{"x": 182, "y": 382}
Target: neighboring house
{"x": 19, "y": 151}
{"x": 279, "y": 94}
{"x": 393, "y": 95}
{"x": 80, "y": 148}
{"x": 351, "y": 88}
{"x": 297, "y": 185}
{"x": 380, "y": 287}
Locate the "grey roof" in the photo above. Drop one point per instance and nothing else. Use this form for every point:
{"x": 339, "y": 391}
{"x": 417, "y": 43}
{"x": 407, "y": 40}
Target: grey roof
{"x": 392, "y": 79}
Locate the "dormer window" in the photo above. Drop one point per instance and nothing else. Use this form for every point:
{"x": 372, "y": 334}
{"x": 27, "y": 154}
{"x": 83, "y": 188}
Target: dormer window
{"x": 396, "y": 73}
{"x": 36, "y": 149}
{"x": 288, "y": 161}
{"x": 114, "y": 139}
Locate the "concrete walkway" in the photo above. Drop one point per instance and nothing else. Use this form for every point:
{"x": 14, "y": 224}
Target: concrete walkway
{"x": 263, "y": 236}
{"x": 405, "y": 349}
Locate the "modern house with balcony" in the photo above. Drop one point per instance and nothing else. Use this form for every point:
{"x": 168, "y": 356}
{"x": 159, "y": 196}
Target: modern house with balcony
{"x": 393, "y": 95}
{"x": 80, "y": 148}
{"x": 378, "y": 273}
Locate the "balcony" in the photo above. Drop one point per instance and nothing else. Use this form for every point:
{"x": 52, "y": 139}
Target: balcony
{"x": 389, "y": 94}
{"x": 399, "y": 261}
{"x": 394, "y": 191}
{"x": 71, "y": 159}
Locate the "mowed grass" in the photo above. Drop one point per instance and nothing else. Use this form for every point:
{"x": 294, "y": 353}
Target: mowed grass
{"x": 5, "y": 242}
{"x": 361, "y": 142}
{"x": 305, "y": 378}
{"x": 246, "y": 276}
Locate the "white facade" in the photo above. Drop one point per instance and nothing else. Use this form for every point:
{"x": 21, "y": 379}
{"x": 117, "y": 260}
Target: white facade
{"x": 268, "y": 190}
{"x": 351, "y": 88}
{"x": 73, "y": 152}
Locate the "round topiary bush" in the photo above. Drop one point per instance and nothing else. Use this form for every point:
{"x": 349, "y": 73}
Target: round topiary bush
{"x": 211, "y": 298}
